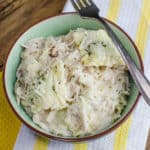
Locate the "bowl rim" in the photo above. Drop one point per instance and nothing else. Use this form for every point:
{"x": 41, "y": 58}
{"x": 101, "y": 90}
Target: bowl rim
{"x": 75, "y": 139}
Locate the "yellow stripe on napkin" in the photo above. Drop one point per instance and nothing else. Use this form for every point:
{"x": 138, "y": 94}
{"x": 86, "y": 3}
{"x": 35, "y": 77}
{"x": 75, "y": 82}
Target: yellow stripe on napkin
{"x": 146, "y": 11}
{"x": 121, "y": 135}
{"x": 41, "y": 143}
{"x": 142, "y": 32}
{"x": 9, "y": 124}
{"x": 112, "y": 14}
{"x": 80, "y": 146}
{"x": 113, "y": 10}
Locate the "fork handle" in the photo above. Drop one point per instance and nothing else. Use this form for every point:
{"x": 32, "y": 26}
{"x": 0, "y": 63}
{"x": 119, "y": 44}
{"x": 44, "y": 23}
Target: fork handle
{"x": 140, "y": 79}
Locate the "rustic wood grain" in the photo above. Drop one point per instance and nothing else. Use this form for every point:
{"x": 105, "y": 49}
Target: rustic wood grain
{"x": 17, "y": 15}
{"x": 4, "y": 3}
{"x": 10, "y": 7}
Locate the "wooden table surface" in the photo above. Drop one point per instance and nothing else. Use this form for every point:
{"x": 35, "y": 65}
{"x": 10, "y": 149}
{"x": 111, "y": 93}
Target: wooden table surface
{"x": 17, "y": 15}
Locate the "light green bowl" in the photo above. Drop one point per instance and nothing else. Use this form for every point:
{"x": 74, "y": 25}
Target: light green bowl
{"x": 56, "y": 26}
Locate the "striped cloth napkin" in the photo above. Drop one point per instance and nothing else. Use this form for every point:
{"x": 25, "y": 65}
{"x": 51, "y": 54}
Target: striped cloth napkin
{"x": 134, "y": 17}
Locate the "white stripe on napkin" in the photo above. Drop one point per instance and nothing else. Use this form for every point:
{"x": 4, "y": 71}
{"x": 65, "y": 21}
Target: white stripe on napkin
{"x": 129, "y": 16}
{"x": 25, "y": 139}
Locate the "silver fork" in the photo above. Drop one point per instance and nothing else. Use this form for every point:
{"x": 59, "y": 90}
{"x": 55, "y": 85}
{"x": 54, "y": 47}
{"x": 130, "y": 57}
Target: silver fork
{"x": 87, "y": 8}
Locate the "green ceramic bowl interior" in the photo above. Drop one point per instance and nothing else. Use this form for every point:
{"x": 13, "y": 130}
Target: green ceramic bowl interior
{"x": 57, "y": 26}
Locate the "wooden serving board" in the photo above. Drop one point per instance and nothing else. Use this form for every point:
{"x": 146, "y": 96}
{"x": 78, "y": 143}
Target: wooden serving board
{"x": 17, "y": 15}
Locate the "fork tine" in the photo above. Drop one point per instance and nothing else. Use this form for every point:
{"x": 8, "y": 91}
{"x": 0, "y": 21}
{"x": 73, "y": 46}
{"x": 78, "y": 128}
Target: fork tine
{"x": 91, "y": 2}
{"x": 76, "y": 6}
{"x": 83, "y": 3}
{"x": 87, "y": 3}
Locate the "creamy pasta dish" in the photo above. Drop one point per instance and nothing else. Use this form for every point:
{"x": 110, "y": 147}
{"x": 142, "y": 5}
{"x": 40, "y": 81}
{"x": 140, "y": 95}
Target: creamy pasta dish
{"x": 73, "y": 84}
